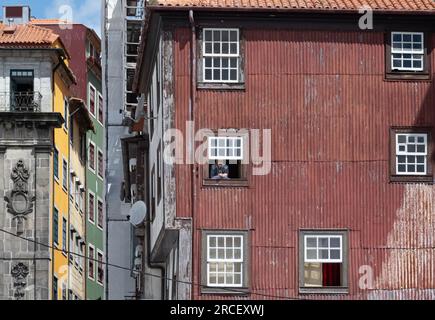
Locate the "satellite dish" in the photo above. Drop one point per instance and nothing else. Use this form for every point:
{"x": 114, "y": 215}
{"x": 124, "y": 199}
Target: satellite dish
{"x": 138, "y": 213}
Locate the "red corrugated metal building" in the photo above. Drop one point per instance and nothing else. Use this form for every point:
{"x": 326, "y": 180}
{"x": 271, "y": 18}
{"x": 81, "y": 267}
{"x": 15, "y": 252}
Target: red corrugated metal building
{"x": 341, "y": 215}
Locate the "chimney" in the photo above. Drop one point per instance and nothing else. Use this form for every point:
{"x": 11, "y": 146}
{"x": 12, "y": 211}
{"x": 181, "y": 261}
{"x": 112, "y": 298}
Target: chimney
{"x": 14, "y": 15}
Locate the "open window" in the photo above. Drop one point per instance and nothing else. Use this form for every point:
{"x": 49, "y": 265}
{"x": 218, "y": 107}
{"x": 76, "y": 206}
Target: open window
{"x": 23, "y": 96}
{"x": 225, "y": 166}
{"x": 323, "y": 261}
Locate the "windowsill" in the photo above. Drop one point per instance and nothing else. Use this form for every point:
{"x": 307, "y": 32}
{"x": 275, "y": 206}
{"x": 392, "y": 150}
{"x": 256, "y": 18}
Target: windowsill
{"x": 332, "y": 290}
{"x": 407, "y": 76}
{"x": 235, "y": 291}
{"x": 238, "y": 183}
{"x": 220, "y": 86}
{"x": 411, "y": 179}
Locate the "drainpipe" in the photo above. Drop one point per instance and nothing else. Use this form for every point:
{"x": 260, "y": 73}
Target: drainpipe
{"x": 192, "y": 119}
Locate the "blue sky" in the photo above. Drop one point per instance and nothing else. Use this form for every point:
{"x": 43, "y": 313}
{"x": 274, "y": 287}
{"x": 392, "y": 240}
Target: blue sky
{"x": 87, "y": 12}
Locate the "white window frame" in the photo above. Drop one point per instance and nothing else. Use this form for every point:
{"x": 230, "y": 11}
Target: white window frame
{"x": 411, "y": 154}
{"x": 407, "y": 51}
{"x": 89, "y": 156}
{"x": 97, "y": 167}
{"x": 93, "y": 261}
{"x": 64, "y": 232}
{"x": 212, "y": 55}
{"x": 97, "y": 112}
{"x": 95, "y": 99}
{"x": 317, "y": 248}
{"x": 226, "y": 261}
{"x": 226, "y": 157}
{"x": 102, "y": 262}
{"x": 93, "y": 209}
{"x": 99, "y": 200}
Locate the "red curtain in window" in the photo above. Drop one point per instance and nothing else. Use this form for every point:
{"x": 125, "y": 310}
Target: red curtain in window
{"x": 331, "y": 274}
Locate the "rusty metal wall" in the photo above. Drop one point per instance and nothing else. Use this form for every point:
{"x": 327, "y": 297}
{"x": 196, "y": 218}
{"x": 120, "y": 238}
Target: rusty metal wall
{"x": 330, "y": 110}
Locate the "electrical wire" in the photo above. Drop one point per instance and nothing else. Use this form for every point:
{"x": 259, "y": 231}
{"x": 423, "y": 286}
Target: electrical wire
{"x": 145, "y": 273}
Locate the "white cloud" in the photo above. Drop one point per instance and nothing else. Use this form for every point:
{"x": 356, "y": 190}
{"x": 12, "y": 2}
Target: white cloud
{"x": 87, "y": 12}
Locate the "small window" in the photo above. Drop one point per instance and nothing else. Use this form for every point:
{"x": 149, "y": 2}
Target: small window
{"x": 64, "y": 226}
{"x": 407, "y": 51}
{"x": 92, "y": 92}
{"x": 225, "y": 262}
{"x": 225, "y": 160}
{"x": 153, "y": 187}
{"x": 56, "y": 226}
{"x": 100, "y": 164}
{"x": 56, "y": 164}
{"x": 91, "y": 208}
{"x": 221, "y": 55}
{"x": 407, "y": 56}
{"x": 100, "y": 214}
{"x": 55, "y": 288}
{"x": 410, "y": 155}
{"x": 91, "y": 263}
{"x": 65, "y": 174}
{"x": 64, "y": 292}
{"x": 159, "y": 173}
{"x": 100, "y": 109}
{"x": 65, "y": 113}
{"x": 77, "y": 194}
{"x": 91, "y": 156}
{"x": 323, "y": 260}
{"x": 100, "y": 268}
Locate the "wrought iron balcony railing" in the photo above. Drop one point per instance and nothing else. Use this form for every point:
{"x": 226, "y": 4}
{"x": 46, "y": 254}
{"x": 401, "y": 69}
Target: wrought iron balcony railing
{"x": 20, "y": 102}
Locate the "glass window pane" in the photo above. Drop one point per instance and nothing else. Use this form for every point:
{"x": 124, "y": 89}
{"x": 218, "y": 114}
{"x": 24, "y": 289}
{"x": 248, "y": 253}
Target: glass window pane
{"x": 397, "y": 37}
{"x": 401, "y": 139}
{"x": 311, "y": 242}
{"x": 207, "y": 35}
{"x": 216, "y": 35}
{"x": 237, "y": 242}
{"x": 323, "y": 242}
{"x": 237, "y": 254}
{"x": 401, "y": 168}
{"x": 417, "y": 38}
{"x": 324, "y": 254}
{"x": 233, "y": 36}
{"x": 311, "y": 254}
{"x": 335, "y": 243}
{"x": 335, "y": 254}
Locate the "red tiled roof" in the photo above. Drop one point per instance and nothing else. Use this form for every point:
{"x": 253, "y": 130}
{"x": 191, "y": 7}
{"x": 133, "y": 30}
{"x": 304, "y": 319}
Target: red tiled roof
{"x": 333, "y": 5}
{"x": 26, "y": 36}
{"x": 49, "y": 21}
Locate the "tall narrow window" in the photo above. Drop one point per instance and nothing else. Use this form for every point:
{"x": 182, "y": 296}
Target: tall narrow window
{"x": 23, "y": 97}
{"x": 65, "y": 174}
{"x": 92, "y": 92}
{"x": 100, "y": 164}
{"x": 100, "y": 214}
{"x": 100, "y": 268}
{"x": 91, "y": 263}
{"x": 100, "y": 109}
{"x": 56, "y": 226}
{"x": 65, "y": 113}
{"x": 56, "y": 164}
{"x": 64, "y": 226}
{"x": 324, "y": 260}
{"x": 55, "y": 288}
{"x": 221, "y": 54}
{"x": 91, "y": 208}
{"x": 92, "y": 156}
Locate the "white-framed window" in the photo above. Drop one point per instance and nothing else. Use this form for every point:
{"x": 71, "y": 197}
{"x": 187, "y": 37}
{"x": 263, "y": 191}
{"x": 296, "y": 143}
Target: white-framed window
{"x": 100, "y": 213}
{"x": 91, "y": 207}
{"x": 225, "y": 148}
{"x": 225, "y": 262}
{"x": 100, "y": 267}
{"x": 91, "y": 262}
{"x": 100, "y": 109}
{"x": 91, "y": 157}
{"x": 56, "y": 164}
{"x": 221, "y": 55}
{"x": 323, "y": 248}
{"x": 407, "y": 51}
{"x": 100, "y": 161}
{"x": 323, "y": 262}
{"x": 411, "y": 153}
{"x": 92, "y": 99}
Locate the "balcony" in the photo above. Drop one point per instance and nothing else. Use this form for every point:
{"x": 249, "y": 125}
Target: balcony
{"x": 20, "y": 102}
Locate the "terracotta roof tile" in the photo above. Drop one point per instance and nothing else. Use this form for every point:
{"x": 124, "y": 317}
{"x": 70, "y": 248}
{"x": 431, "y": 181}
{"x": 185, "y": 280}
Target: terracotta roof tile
{"x": 26, "y": 36}
{"x": 339, "y": 5}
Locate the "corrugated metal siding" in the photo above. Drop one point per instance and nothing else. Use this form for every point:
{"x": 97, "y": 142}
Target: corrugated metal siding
{"x": 330, "y": 110}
